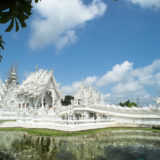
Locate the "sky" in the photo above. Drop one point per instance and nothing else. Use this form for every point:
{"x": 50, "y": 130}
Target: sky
{"x": 112, "y": 45}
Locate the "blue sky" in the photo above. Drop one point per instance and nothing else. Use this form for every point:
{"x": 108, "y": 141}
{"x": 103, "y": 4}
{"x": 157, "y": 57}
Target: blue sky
{"x": 111, "y": 45}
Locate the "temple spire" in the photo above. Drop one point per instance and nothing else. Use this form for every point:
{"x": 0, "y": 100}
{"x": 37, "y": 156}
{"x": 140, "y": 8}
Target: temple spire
{"x": 12, "y": 75}
{"x": 36, "y": 67}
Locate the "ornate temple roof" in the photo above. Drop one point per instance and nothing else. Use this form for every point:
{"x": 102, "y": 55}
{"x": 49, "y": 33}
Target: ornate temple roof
{"x": 87, "y": 94}
{"x": 36, "y": 82}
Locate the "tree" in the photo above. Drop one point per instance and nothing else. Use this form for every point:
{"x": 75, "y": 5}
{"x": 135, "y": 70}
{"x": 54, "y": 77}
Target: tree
{"x": 1, "y": 46}
{"x": 128, "y": 104}
{"x": 16, "y": 12}
{"x": 67, "y": 100}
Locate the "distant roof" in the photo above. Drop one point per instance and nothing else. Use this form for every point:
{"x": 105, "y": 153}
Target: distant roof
{"x": 36, "y": 82}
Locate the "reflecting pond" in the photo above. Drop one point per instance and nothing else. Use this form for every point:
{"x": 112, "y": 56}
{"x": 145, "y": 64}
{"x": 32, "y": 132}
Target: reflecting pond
{"x": 109, "y": 145}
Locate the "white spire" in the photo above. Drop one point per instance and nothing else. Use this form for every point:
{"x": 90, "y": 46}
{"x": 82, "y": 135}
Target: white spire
{"x": 36, "y": 67}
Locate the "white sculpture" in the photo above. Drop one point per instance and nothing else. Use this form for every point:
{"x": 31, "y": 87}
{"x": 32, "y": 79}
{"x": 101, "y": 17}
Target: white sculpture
{"x": 86, "y": 96}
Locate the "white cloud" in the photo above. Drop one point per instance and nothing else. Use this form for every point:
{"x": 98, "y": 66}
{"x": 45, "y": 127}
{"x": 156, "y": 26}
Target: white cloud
{"x": 75, "y": 85}
{"x": 105, "y": 97}
{"x": 71, "y": 89}
{"x": 117, "y": 74}
{"x": 147, "y": 3}
{"x": 157, "y": 78}
{"x": 59, "y": 20}
{"x": 146, "y": 75}
{"x": 90, "y": 80}
{"x": 124, "y": 80}
{"x": 128, "y": 89}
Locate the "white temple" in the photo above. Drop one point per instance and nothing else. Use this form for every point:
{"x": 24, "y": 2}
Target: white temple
{"x": 37, "y": 103}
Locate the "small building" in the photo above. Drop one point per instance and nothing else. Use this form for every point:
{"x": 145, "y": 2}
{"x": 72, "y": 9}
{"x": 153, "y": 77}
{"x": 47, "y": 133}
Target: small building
{"x": 39, "y": 90}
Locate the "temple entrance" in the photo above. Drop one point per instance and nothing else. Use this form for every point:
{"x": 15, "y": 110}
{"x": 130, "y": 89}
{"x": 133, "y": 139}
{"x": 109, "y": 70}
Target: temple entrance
{"x": 92, "y": 115}
{"x": 78, "y": 116}
{"x": 47, "y": 101}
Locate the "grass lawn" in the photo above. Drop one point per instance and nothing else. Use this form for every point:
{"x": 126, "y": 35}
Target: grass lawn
{"x": 48, "y": 132}
{"x": 1, "y": 121}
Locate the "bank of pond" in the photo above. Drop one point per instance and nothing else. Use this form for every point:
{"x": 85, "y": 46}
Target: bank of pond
{"x": 100, "y": 144}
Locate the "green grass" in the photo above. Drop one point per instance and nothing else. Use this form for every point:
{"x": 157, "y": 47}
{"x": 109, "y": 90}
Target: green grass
{"x": 2, "y": 121}
{"x": 47, "y": 132}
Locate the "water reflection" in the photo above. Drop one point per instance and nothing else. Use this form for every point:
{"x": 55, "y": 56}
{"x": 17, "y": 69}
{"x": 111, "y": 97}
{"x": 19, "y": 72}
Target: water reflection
{"x": 113, "y": 145}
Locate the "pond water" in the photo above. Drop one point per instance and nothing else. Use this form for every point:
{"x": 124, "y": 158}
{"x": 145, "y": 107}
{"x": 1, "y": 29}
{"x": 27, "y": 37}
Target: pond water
{"x": 109, "y": 145}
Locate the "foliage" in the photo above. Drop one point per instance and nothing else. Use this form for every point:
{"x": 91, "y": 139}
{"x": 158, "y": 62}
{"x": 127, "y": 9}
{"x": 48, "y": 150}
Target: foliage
{"x": 1, "y": 46}
{"x": 16, "y": 12}
{"x": 128, "y": 104}
{"x": 67, "y": 100}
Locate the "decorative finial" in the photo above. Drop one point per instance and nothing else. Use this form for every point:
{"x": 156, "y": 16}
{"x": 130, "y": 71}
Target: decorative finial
{"x": 36, "y": 67}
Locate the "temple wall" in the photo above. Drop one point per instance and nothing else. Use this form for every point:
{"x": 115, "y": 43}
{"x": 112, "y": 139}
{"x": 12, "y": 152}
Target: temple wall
{"x": 126, "y": 110}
